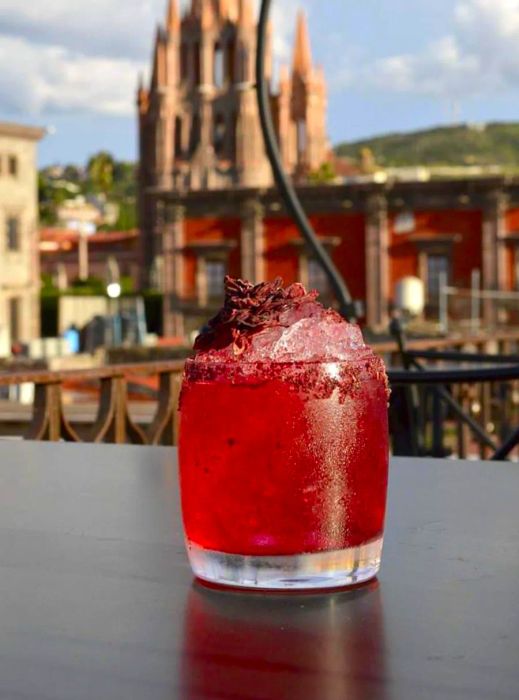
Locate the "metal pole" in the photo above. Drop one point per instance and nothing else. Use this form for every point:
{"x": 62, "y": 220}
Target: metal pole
{"x": 443, "y": 293}
{"x": 83, "y": 255}
{"x": 284, "y": 184}
{"x": 475, "y": 300}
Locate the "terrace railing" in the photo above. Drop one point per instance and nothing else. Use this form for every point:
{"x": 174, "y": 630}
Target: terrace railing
{"x": 460, "y": 403}
{"x": 113, "y": 420}
{"x": 423, "y": 417}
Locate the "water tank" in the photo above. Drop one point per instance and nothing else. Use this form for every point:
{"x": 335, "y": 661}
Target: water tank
{"x": 410, "y": 295}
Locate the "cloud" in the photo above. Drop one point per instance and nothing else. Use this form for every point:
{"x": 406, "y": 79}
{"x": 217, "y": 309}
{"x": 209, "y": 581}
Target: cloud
{"x": 85, "y": 55}
{"x": 94, "y": 27}
{"x": 50, "y": 79}
{"x": 480, "y": 56}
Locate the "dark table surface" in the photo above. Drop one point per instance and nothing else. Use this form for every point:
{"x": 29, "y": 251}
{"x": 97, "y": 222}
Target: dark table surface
{"x": 97, "y": 600}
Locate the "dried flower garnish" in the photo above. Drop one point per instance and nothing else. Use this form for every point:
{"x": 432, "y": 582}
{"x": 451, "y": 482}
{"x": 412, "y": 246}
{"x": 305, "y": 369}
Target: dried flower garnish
{"x": 248, "y": 309}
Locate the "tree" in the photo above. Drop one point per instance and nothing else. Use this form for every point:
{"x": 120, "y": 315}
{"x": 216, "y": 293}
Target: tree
{"x": 100, "y": 169}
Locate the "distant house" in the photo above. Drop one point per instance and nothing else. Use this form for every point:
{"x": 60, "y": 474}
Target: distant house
{"x": 106, "y": 255}
{"x": 19, "y": 259}
{"x": 85, "y": 214}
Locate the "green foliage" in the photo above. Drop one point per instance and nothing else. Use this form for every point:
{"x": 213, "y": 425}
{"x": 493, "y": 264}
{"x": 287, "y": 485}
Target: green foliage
{"x": 323, "y": 175}
{"x": 100, "y": 169}
{"x": 93, "y": 286}
{"x": 126, "y": 283}
{"x": 490, "y": 144}
{"x": 102, "y": 176}
{"x": 48, "y": 287}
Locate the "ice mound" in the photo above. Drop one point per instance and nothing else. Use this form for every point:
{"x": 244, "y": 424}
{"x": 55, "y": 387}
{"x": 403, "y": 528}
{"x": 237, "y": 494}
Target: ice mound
{"x": 268, "y": 322}
{"x": 311, "y": 339}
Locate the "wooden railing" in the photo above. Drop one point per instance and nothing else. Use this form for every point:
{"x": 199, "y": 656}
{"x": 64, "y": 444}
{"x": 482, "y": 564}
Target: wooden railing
{"x": 116, "y": 419}
{"x": 113, "y": 421}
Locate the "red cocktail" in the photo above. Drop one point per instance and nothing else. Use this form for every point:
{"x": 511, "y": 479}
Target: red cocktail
{"x": 284, "y": 461}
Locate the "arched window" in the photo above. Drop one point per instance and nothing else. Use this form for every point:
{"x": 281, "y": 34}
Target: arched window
{"x": 231, "y": 61}
{"x": 317, "y": 278}
{"x": 178, "y": 137}
{"x": 301, "y": 137}
{"x": 219, "y": 133}
{"x": 219, "y": 65}
{"x": 196, "y": 49}
{"x": 234, "y": 134}
{"x": 184, "y": 61}
{"x": 195, "y": 133}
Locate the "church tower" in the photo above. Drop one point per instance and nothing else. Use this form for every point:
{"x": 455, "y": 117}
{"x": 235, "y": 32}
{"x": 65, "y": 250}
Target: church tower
{"x": 308, "y": 105}
{"x": 199, "y": 126}
{"x": 199, "y": 122}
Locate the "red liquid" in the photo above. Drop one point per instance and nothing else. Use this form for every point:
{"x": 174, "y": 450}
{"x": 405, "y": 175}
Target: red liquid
{"x": 267, "y": 469}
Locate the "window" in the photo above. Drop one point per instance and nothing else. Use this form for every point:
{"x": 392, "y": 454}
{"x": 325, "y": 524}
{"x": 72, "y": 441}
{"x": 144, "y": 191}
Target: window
{"x": 301, "y": 137}
{"x": 317, "y": 278}
{"x": 13, "y": 233}
{"x": 215, "y": 271}
{"x": 438, "y": 267}
{"x": 157, "y": 273}
{"x": 219, "y": 134}
{"x": 178, "y": 137}
{"x": 234, "y": 134}
{"x": 12, "y": 166}
{"x": 231, "y": 61}
{"x": 194, "y": 139}
{"x": 14, "y": 319}
{"x": 404, "y": 222}
{"x": 219, "y": 65}
{"x": 197, "y": 63}
{"x": 184, "y": 61}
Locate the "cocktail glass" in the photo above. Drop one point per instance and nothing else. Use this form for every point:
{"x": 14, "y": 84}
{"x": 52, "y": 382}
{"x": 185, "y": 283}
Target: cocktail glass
{"x": 283, "y": 469}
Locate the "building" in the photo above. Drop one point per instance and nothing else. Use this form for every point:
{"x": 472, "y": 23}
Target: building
{"x": 198, "y": 120}
{"x": 66, "y": 256}
{"x": 19, "y": 263}
{"x": 376, "y": 234}
{"x": 208, "y": 207}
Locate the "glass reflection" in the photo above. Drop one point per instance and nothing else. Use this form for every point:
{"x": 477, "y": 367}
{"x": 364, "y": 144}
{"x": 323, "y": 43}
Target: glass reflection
{"x": 248, "y": 646}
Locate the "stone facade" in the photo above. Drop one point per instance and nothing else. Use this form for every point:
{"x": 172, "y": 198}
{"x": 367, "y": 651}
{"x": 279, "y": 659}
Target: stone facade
{"x": 376, "y": 235}
{"x": 199, "y": 125}
{"x": 19, "y": 259}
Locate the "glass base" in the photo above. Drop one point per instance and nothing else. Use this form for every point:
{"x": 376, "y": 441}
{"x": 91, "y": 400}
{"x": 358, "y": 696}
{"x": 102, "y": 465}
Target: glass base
{"x": 338, "y": 568}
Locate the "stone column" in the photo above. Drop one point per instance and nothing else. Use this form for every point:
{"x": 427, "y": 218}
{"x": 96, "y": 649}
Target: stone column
{"x": 493, "y": 248}
{"x": 252, "y": 241}
{"x": 377, "y": 262}
{"x": 172, "y": 244}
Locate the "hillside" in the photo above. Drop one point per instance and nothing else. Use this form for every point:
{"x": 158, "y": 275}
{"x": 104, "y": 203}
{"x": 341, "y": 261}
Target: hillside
{"x": 477, "y": 144}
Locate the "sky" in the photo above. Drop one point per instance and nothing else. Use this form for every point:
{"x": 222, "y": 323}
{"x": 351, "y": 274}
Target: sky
{"x": 391, "y": 65}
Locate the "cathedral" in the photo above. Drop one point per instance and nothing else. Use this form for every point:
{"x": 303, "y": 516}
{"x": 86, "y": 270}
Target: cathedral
{"x": 199, "y": 121}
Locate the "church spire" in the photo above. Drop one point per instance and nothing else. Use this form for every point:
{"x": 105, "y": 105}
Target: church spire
{"x": 207, "y": 14}
{"x": 302, "y": 63}
{"x": 228, "y": 9}
{"x": 159, "y": 60}
{"x": 245, "y": 13}
{"x": 173, "y": 17}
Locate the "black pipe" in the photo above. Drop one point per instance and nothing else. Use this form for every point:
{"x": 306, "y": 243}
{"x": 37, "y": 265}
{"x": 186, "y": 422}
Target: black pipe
{"x": 284, "y": 184}
{"x": 455, "y": 356}
{"x": 402, "y": 377}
